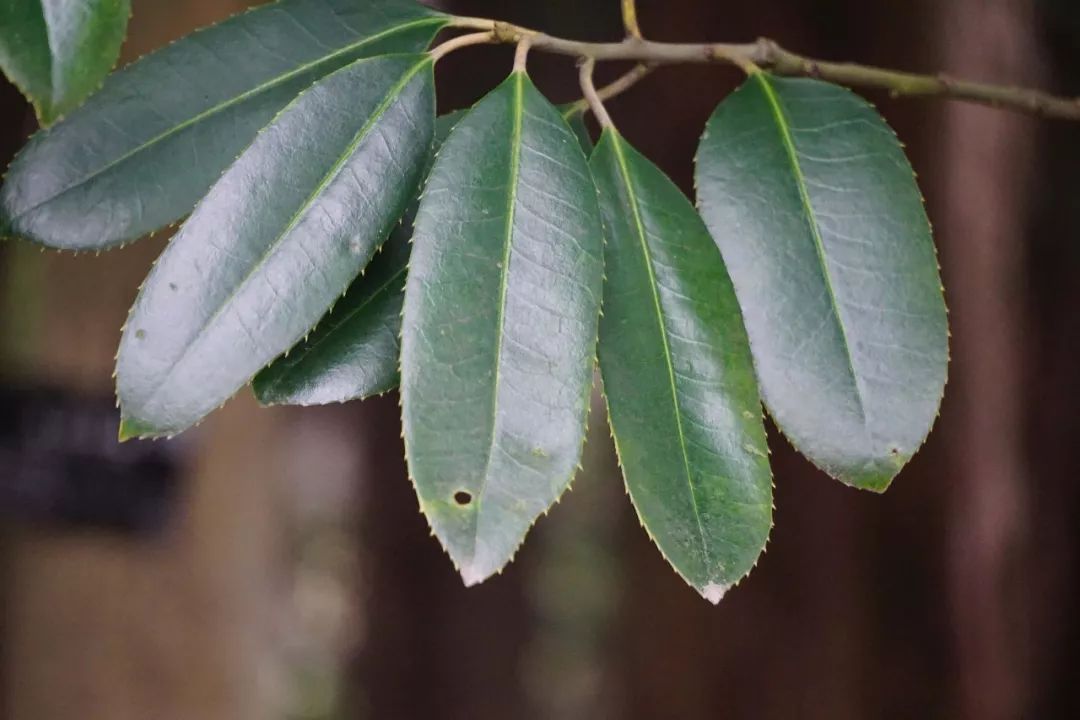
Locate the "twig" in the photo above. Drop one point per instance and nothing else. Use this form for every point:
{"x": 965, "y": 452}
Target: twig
{"x": 440, "y": 51}
{"x": 591, "y": 96}
{"x": 521, "y": 55}
{"x": 768, "y": 55}
{"x": 617, "y": 87}
{"x": 630, "y": 21}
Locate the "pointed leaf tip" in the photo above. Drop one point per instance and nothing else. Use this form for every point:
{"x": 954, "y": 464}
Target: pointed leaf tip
{"x": 472, "y": 575}
{"x": 678, "y": 377}
{"x": 715, "y": 592}
{"x": 132, "y": 430}
{"x": 499, "y": 328}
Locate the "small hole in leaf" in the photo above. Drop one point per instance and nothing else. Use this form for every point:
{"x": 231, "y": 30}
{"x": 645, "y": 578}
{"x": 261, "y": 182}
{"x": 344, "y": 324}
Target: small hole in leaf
{"x": 462, "y": 498}
{"x": 140, "y": 334}
{"x": 894, "y": 451}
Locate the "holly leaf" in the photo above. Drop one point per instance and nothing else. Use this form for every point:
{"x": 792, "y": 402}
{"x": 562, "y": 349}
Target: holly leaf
{"x": 814, "y": 206}
{"x": 500, "y": 322}
{"x": 678, "y": 377}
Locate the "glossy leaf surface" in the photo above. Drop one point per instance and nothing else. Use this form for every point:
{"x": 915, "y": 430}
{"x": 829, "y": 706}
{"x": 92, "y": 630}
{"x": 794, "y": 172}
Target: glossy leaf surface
{"x": 353, "y": 352}
{"x": 809, "y": 195}
{"x": 276, "y": 241}
{"x": 58, "y": 51}
{"x": 678, "y": 377}
{"x": 142, "y": 151}
{"x": 500, "y": 323}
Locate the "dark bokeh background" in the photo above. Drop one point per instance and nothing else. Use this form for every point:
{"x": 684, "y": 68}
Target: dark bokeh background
{"x": 280, "y": 568}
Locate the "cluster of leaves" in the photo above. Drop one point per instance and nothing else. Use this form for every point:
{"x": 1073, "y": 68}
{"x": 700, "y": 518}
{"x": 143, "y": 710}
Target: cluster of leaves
{"x": 316, "y": 269}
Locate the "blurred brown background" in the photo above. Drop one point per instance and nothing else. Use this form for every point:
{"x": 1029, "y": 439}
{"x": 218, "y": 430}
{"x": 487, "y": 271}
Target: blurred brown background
{"x": 272, "y": 564}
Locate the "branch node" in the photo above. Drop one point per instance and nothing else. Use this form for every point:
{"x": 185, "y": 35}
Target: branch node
{"x": 766, "y": 51}
{"x": 506, "y": 32}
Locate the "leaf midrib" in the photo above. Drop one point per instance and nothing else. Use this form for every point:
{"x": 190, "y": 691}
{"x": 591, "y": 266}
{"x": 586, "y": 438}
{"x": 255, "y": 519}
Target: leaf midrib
{"x": 639, "y": 225}
{"x": 788, "y": 142}
{"x": 387, "y": 100}
{"x": 221, "y": 107}
{"x": 517, "y": 109}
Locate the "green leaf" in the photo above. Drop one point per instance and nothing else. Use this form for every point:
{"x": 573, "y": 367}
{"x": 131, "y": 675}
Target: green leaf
{"x": 815, "y": 208}
{"x": 279, "y": 237}
{"x": 142, "y": 151}
{"x": 575, "y": 118}
{"x": 678, "y": 377}
{"x": 353, "y": 352}
{"x": 57, "y": 53}
{"x": 501, "y": 310}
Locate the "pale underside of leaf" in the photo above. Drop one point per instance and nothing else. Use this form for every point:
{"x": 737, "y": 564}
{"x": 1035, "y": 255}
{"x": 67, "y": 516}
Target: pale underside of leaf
{"x": 809, "y": 196}
{"x": 501, "y": 309}
{"x": 276, "y": 241}
{"x": 141, "y": 152}
{"x": 678, "y": 377}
